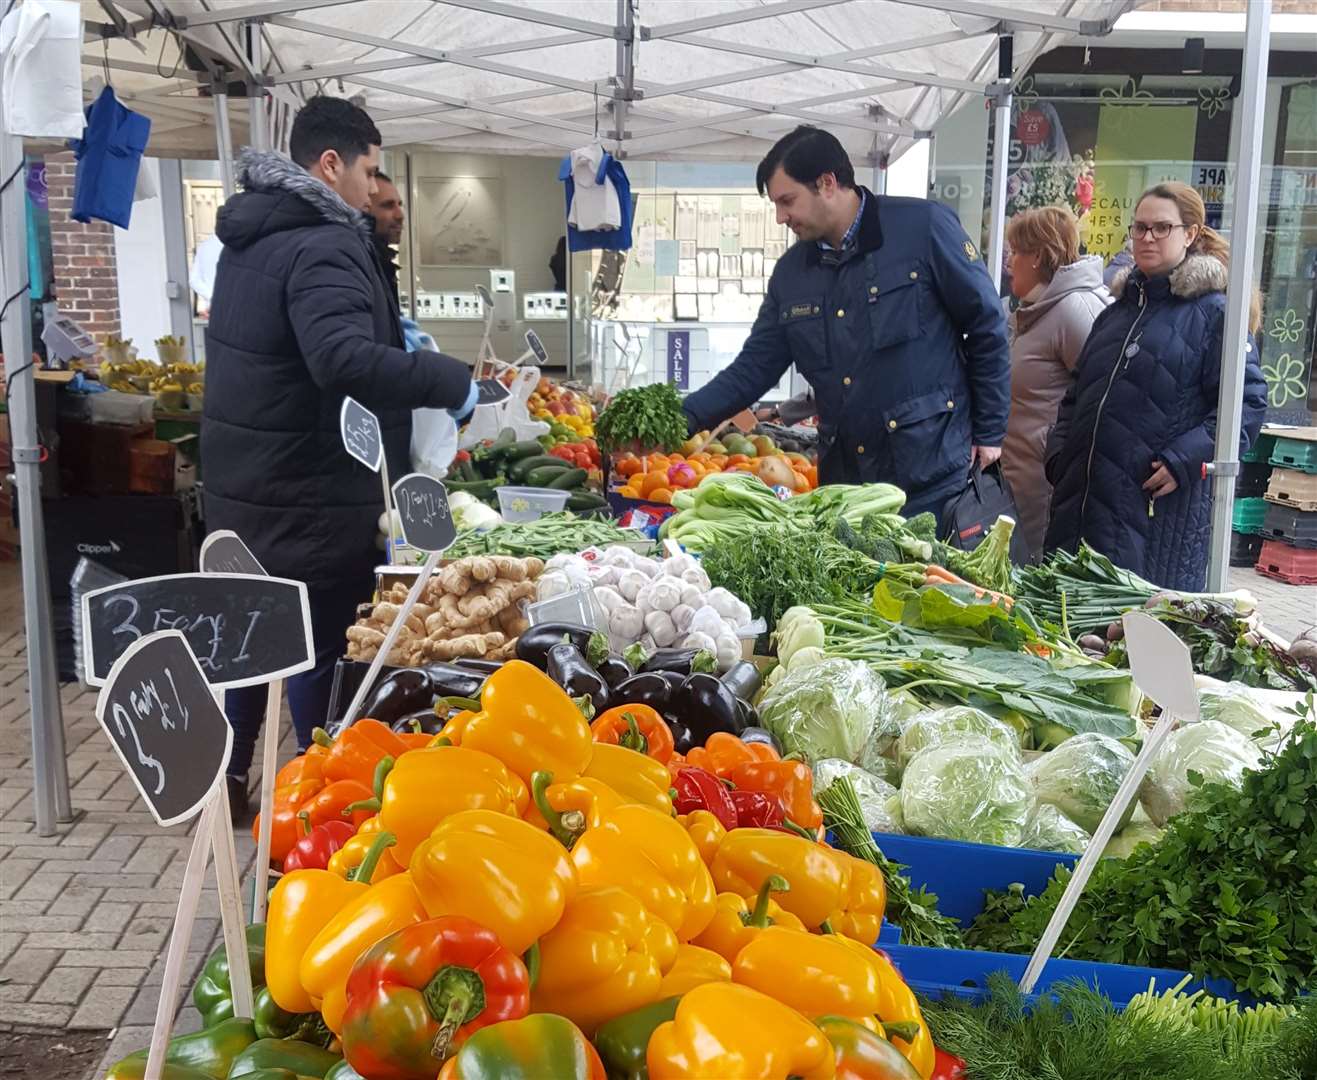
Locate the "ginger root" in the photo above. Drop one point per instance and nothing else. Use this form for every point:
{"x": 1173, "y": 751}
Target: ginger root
{"x": 466, "y": 647}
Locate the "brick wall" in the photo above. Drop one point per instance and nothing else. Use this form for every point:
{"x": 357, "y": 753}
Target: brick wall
{"x": 86, "y": 281}
{"x": 1278, "y": 7}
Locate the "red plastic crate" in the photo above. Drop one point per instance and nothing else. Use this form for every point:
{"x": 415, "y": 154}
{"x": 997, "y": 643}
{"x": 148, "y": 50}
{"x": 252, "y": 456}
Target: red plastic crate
{"x": 1289, "y": 564}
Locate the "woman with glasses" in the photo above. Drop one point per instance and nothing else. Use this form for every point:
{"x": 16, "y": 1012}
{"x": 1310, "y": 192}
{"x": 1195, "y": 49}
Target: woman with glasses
{"x": 1125, "y": 458}
{"x": 1060, "y": 295}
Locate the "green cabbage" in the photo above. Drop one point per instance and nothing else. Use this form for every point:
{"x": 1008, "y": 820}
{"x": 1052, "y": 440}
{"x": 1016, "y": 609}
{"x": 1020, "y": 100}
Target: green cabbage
{"x": 873, "y": 791}
{"x": 1081, "y": 777}
{"x": 970, "y": 789}
{"x": 1208, "y": 749}
{"x": 826, "y": 710}
{"x": 942, "y": 726}
{"x": 1122, "y": 845}
{"x": 1238, "y": 707}
{"x": 1050, "y": 830}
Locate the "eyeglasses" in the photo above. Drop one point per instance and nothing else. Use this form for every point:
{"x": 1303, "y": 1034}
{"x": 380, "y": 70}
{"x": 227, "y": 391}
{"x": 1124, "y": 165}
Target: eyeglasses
{"x": 1160, "y": 231}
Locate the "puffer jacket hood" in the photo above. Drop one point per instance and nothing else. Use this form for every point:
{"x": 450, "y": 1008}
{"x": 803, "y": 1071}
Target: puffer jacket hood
{"x": 1083, "y": 275}
{"x": 1197, "y": 275}
{"x": 279, "y": 195}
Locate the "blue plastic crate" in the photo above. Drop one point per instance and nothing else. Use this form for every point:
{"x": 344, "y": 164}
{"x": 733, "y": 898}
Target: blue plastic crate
{"x": 964, "y": 973}
{"x": 889, "y": 934}
{"x": 959, "y": 873}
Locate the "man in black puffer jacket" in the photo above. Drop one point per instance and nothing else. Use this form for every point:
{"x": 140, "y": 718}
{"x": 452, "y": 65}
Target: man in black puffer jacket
{"x": 300, "y": 317}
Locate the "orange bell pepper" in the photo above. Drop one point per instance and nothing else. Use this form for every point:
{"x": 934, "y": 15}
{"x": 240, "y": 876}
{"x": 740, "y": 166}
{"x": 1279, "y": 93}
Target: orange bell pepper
{"x": 790, "y": 781}
{"x": 722, "y": 752}
{"x": 356, "y": 751}
{"x": 346, "y": 861}
{"x": 320, "y": 801}
{"x": 735, "y": 923}
{"x": 306, "y": 766}
{"x": 568, "y": 810}
{"x": 637, "y": 727}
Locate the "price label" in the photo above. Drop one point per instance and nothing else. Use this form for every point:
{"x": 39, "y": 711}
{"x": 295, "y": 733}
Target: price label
{"x": 243, "y": 630}
{"x": 536, "y": 346}
{"x": 360, "y": 429}
{"x": 422, "y": 502}
{"x": 492, "y": 391}
{"x": 162, "y": 719}
{"x": 223, "y": 552}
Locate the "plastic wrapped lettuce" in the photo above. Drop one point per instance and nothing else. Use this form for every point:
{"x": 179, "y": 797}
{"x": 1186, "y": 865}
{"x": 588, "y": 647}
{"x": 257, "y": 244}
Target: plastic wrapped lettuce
{"x": 1210, "y": 749}
{"x": 1247, "y": 710}
{"x": 879, "y": 753}
{"x": 826, "y": 710}
{"x": 873, "y": 791}
{"x": 942, "y": 726}
{"x": 968, "y": 789}
{"x": 1047, "y": 829}
{"x": 1081, "y": 776}
{"x": 1139, "y": 831}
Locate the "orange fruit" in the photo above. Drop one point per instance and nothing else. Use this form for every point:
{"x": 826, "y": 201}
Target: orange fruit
{"x": 628, "y": 492}
{"x": 661, "y": 495}
{"x": 652, "y": 481}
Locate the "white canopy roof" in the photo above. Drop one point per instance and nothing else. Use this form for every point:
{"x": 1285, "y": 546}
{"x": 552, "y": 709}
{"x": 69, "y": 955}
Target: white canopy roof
{"x": 679, "y": 79}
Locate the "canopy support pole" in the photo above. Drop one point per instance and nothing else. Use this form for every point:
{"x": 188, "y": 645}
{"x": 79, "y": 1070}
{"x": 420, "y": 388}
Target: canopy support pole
{"x": 1243, "y": 236}
{"x": 223, "y": 137}
{"x": 259, "y": 132}
{"x": 880, "y": 175}
{"x": 1000, "y": 93}
{"x": 50, "y": 787}
{"x": 626, "y": 71}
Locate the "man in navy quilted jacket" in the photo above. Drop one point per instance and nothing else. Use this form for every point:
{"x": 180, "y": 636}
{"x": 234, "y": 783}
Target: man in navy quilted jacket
{"x": 302, "y": 316}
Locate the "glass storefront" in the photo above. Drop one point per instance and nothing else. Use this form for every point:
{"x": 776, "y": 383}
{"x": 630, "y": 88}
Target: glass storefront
{"x": 1089, "y": 132}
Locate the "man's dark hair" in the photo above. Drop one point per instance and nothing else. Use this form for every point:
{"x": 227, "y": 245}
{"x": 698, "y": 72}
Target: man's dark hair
{"x": 381, "y": 175}
{"x": 330, "y": 123}
{"x": 804, "y": 155}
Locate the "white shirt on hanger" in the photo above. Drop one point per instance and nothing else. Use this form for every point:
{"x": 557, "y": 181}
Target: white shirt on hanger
{"x": 594, "y": 204}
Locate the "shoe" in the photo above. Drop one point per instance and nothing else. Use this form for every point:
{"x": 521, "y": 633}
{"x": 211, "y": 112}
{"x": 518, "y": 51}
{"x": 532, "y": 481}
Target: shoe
{"x": 239, "y": 800}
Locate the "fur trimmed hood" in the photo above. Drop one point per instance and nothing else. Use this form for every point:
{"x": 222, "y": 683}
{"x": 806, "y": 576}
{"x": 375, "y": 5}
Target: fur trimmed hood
{"x": 278, "y": 195}
{"x": 1196, "y": 276}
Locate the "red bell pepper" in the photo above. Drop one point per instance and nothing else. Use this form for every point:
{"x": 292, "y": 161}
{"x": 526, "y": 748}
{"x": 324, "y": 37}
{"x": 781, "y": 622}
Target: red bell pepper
{"x": 700, "y": 790}
{"x": 416, "y": 996}
{"x": 756, "y": 810}
{"x": 790, "y": 781}
{"x": 947, "y": 1066}
{"x": 316, "y": 845}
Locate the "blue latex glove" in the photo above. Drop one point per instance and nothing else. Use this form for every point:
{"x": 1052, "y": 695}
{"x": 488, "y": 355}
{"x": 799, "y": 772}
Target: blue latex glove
{"x": 415, "y": 338}
{"x": 461, "y": 413}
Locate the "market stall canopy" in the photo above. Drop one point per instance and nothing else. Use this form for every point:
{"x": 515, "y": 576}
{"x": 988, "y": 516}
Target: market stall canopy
{"x": 676, "y": 79}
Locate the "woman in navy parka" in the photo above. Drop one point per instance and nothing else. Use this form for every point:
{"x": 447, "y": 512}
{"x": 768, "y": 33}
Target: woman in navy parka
{"x": 1125, "y": 458}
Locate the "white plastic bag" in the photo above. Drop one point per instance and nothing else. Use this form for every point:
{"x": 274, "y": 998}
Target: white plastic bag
{"x": 434, "y": 441}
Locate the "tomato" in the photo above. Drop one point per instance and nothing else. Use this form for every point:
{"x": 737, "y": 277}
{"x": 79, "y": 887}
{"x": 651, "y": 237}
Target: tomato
{"x": 582, "y": 459}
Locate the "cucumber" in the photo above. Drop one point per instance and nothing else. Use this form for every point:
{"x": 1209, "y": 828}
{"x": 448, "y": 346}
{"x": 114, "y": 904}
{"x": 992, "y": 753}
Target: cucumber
{"x": 570, "y": 479}
{"x": 586, "y": 500}
{"x": 466, "y": 472}
{"x": 530, "y": 448}
{"x": 480, "y": 489}
{"x": 545, "y": 475}
{"x": 518, "y": 470}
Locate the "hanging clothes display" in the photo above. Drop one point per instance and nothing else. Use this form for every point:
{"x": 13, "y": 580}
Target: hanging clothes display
{"x": 598, "y": 193}
{"x": 109, "y": 155}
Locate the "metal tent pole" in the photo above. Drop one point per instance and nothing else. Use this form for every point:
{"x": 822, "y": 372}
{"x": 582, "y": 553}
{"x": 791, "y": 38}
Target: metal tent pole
{"x": 259, "y": 132}
{"x": 932, "y": 166}
{"x": 50, "y": 789}
{"x": 223, "y": 137}
{"x": 626, "y": 72}
{"x": 1243, "y": 237}
{"x": 1000, "y": 92}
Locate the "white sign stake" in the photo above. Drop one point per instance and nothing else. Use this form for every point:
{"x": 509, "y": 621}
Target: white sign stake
{"x": 228, "y": 882}
{"x": 269, "y": 759}
{"x": 1162, "y": 669}
{"x": 389, "y": 532}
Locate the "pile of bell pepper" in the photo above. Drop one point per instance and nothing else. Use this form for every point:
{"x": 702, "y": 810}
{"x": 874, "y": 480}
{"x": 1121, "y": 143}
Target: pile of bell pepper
{"x": 527, "y": 894}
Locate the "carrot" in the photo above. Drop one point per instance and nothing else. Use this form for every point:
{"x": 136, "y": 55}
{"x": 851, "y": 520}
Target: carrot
{"x": 940, "y": 575}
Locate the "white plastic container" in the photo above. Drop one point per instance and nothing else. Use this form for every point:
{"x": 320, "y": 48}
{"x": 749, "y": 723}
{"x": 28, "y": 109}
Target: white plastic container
{"x": 749, "y": 634}
{"x": 518, "y": 504}
{"x": 578, "y": 607}
{"x": 115, "y": 407}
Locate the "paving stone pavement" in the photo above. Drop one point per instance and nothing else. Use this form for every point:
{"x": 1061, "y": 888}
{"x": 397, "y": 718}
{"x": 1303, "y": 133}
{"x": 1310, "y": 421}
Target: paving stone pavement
{"x": 85, "y": 915}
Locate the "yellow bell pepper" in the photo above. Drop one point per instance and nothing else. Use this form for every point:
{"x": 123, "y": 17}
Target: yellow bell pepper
{"x": 724, "y": 1030}
{"x": 866, "y": 899}
{"x": 384, "y": 908}
{"x": 425, "y": 786}
{"x": 604, "y": 958}
{"x": 735, "y": 923}
{"x": 651, "y": 856}
{"x": 500, "y": 871}
{"x": 897, "y": 1004}
{"x": 347, "y": 858}
{"x": 635, "y": 776}
{"x": 819, "y": 879}
{"x": 816, "y": 974}
{"x": 301, "y": 905}
{"x": 568, "y": 810}
{"x": 707, "y": 832}
{"x": 693, "y": 967}
{"x": 529, "y": 723}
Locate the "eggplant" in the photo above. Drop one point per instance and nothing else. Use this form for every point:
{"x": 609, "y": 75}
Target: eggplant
{"x": 426, "y": 721}
{"x": 744, "y": 680}
{"x": 682, "y": 661}
{"x": 745, "y": 714}
{"x": 705, "y": 705}
{"x": 448, "y": 680}
{"x": 533, "y": 646}
{"x": 567, "y": 667}
{"x": 480, "y": 667}
{"x": 674, "y": 679}
{"x": 681, "y": 735}
{"x": 614, "y": 669}
{"x": 649, "y": 688}
{"x": 755, "y": 734}
{"x": 402, "y": 691}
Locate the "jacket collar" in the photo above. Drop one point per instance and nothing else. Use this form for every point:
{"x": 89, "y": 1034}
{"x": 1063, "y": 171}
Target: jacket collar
{"x": 869, "y": 237}
{"x": 263, "y": 170}
{"x": 1196, "y": 276}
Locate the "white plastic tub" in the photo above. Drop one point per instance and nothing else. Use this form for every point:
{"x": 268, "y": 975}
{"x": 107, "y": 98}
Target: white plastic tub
{"x": 529, "y": 503}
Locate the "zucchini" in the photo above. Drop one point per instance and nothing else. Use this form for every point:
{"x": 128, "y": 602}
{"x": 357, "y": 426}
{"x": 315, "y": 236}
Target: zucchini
{"x": 518, "y": 469}
{"x": 545, "y": 475}
{"x": 529, "y": 448}
{"x": 586, "y": 500}
{"x": 480, "y": 489}
{"x": 570, "y": 479}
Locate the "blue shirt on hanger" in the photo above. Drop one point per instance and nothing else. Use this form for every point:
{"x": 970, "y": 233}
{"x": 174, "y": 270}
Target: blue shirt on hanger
{"x": 109, "y": 154}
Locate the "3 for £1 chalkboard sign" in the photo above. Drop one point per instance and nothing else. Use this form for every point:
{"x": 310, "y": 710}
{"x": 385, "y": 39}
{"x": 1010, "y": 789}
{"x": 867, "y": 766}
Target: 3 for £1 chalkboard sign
{"x": 162, "y": 718}
{"x": 427, "y": 522}
{"x": 242, "y": 629}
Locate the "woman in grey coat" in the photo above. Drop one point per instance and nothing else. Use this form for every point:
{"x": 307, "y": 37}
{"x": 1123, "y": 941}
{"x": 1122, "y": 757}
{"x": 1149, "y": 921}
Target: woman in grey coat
{"x": 1060, "y": 295}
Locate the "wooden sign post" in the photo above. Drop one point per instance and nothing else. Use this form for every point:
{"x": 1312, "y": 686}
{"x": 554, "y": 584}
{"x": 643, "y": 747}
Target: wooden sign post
{"x": 171, "y": 736}
{"x": 363, "y": 439}
{"x": 427, "y": 524}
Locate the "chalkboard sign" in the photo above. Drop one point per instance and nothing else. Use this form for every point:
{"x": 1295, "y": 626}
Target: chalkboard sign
{"x": 360, "y": 429}
{"x": 163, "y": 721}
{"x": 223, "y": 552}
{"x": 422, "y": 502}
{"x": 536, "y": 346}
{"x": 492, "y": 391}
{"x": 243, "y": 630}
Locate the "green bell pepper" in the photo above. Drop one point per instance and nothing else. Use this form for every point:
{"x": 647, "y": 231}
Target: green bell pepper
{"x": 212, "y": 1051}
{"x": 273, "y": 1022}
{"x": 135, "y": 1069}
{"x": 532, "y": 1048}
{"x": 343, "y": 1071}
{"x": 297, "y": 1057}
{"x": 621, "y": 1041}
{"x": 213, "y": 994}
{"x": 274, "y": 1074}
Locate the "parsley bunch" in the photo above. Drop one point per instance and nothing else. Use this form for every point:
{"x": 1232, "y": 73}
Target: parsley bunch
{"x": 649, "y": 416}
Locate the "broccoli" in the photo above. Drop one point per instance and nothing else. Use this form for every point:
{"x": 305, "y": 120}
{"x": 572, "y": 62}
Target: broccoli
{"x": 848, "y": 536}
{"x": 923, "y": 526}
{"x": 885, "y": 551}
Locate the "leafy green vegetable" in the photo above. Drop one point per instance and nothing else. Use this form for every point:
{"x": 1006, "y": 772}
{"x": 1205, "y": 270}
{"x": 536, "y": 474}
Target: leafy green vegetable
{"x": 1047, "y": 829}
{"x": 967, "y": 789}
{"x": 1207, "y": 751}
{"x": 826, "y": 710}
{"x": 1081, "y": 777}
{"x": 989, "y": 564}
{"x": 940, "y": 726}
{"x": 649, "y": 416}
{"x": 1228, "y": 891}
